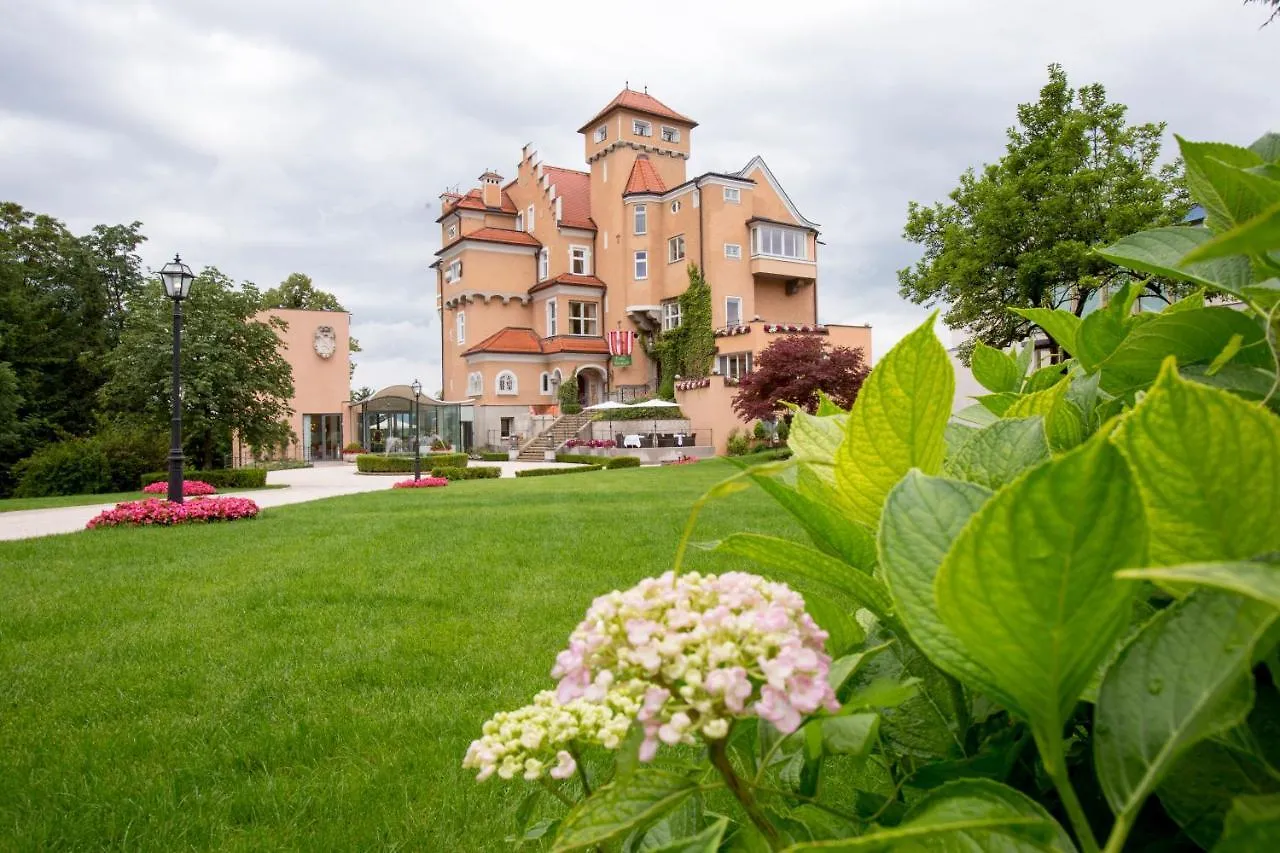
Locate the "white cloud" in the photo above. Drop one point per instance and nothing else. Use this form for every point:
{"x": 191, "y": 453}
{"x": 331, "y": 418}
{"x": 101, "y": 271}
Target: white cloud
{"x": 273, "y": 136}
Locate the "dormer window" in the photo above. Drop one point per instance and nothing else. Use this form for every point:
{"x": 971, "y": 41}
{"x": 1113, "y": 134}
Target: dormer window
{"x": 670, "y": 134}
{"x": 602, "y": 133}
{"x": 641, "y": 128}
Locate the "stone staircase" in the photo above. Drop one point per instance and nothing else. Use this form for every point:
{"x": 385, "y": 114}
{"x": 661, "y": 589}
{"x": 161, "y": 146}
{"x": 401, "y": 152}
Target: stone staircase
{"x": 560, "y": 431}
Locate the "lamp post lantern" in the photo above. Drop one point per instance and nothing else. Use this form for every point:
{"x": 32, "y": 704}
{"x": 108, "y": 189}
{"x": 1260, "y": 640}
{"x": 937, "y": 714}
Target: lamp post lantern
{"x": 177, "y": 280}
{"x": 417, "y": 430}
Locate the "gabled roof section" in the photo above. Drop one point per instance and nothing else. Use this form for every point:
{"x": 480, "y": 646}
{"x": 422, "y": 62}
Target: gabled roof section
{"x": 575, "y": 188}
{"x": 519, "y": 340}
{"x": 512, "y": 339}
{"x": 640, "y": 102}
{"x": 569, "y": 278}
{"x": 496, "y": 235}
{"x": 644, "y": 178}
{"x": 473, "y": 200}
{"x": 758, "y": 162}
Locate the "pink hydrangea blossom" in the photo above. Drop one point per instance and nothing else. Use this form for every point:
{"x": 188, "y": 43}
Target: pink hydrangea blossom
{"x": 708, "y": 648}
{"x": 154, "y": 511}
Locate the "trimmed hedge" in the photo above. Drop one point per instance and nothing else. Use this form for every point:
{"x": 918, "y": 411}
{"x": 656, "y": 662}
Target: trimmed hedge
{"x": 480, "y": 472}
{"x": 372, "y": 463}
{"x": 551, "y": 472}
{"x": 491, "y": 456}
{"x": 623, "y": 462}
{"x": 640, "y": 413}
{"x": 219, "y": 478}
{"x": 578, "y": 459}
{"x": 444, "y": 460}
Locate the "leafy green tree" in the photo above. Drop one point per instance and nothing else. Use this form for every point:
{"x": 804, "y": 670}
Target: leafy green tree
{"x": 1021, "y": 233}
{"x": 59, "y": 316}
{"x": 235, "y": 381}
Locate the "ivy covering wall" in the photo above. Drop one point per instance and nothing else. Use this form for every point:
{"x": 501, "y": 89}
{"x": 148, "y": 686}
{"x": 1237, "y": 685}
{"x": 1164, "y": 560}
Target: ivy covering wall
{"x": 689, "y": 349}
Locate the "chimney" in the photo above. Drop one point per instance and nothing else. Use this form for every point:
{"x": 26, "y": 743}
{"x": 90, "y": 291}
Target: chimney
{"x": 491, "y": 188}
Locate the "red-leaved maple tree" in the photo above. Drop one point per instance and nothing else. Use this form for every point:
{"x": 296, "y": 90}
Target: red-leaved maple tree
{"x": 793, "y": 370}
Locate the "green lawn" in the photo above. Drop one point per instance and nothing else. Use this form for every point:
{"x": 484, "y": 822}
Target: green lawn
{"x": 16, "y": 504}
{"x": 310, "y": 680}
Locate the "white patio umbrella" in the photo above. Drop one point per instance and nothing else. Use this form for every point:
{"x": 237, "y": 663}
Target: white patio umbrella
{"x": 606, "y": 406}
{"x": 656, "y": 404}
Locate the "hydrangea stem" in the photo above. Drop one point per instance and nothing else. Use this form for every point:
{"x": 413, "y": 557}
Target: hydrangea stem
{"x": 1055, "y": 765}
{"x": 582, "y": 771}
{"x": 742, "y": 793}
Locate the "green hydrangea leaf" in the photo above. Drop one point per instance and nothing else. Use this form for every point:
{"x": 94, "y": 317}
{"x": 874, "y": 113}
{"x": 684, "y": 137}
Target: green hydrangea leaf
{"x": 1062, "y": 326}
{"x": 1161, "y": 252}
{"x": 961, "y": 817}
{"x": 1183, "y": 677}
{"x": 897, "y": 422}
{"x": 1028, "y": 587}
{"x": 829, "y": 530}
{"x": 620, "y": 806}
{"x": 922, "y": 517}
{"x": 1259, "y": 581}
{"x": 1208, "y": 466}
{"x": 998, "y": 454}
{"x": 1253, "y": 824}
{"x": 994, "y": 369}
{"x": 1192, "y": 337}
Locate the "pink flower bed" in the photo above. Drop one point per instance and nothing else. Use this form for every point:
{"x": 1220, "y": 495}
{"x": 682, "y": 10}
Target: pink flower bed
{"x": 591, "y": 442}
{"x": 424, "y": 483}
{"x": 154, "y": 511}
{"x": 684, "y": 460}
{"x": 190, "y": 489}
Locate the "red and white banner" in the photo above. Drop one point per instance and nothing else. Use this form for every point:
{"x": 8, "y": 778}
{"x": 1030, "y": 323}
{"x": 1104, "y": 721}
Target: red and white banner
{"x": 621, "y": 342}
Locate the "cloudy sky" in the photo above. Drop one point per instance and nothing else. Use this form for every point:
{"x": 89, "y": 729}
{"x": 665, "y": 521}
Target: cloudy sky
{"x": 273, "y": 136}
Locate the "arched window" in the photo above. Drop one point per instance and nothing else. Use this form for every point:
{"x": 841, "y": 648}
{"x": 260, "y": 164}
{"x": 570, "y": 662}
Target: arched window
{"x": 506, "y": 383}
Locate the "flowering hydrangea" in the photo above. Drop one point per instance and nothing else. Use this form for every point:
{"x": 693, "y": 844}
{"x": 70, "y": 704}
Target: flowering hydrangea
{"x": 534, "y": 740}
{"x": 190, "y": 488}
{"x": 707, "y": 648}
{"x": 154, "y": 511}
{"x": 423, "y": 483}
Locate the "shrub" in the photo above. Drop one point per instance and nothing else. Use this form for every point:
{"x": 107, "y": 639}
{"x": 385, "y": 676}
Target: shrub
{"x": 641, "y": 412}
{"x": 190, "y": 488}
{"x": 157, "y": 512}
{"x": 622, "y": 462}
{"x": 479, "y": 472}
{"x": 110, "y": 461}
{"x": 219, "y": 478}
{"x": 784, "y": 429}
{"x": 577, "y": 459}
{"x": 492, "y": 456}
{"x": 443, "y": 460}
{"x": 568, "y": 396}
{"x": 424, "y": 482}
{"x": 761, "y": 432}
{"x": 551, "y": 472}
{"x": 353, "y": 447}
{"x": 738, "y": 444}
{"x": 74, "y": 467}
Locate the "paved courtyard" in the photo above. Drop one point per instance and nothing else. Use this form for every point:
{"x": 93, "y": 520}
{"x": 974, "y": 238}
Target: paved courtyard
{"x": 325, "y": 480}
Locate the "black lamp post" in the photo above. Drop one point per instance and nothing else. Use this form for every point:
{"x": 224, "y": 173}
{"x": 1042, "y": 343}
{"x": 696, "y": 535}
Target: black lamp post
{"x": 177, "y": 280}
{"x": 417, "y": 431}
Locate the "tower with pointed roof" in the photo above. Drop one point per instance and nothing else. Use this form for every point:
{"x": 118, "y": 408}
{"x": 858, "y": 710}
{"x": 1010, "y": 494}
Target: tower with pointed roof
{"x": 533, "y": 273}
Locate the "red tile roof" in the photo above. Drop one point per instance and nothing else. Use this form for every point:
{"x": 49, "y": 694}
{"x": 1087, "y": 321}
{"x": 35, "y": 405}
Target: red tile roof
{"x": 474, "y": 200}
{"x": 575, "y": 188}
{"x": 502, "y": 235}
{"x": 644, "y": 178}
{"x": 514, "y": 340}
{"x": 496, "y": 235}
{"x": 569, "y": 278}
{"x": 641, "y": 102}
{"x": 510, "y": 340}
{"x": 573, "y": 344}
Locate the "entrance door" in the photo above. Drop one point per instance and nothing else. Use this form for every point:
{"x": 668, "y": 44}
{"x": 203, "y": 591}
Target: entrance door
{"x": 322, "y": 436}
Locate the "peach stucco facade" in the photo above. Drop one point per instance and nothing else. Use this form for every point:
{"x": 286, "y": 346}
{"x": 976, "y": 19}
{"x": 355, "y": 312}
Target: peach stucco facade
{"x": 533, "y": 272}
{"x": 317, "y": 347}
